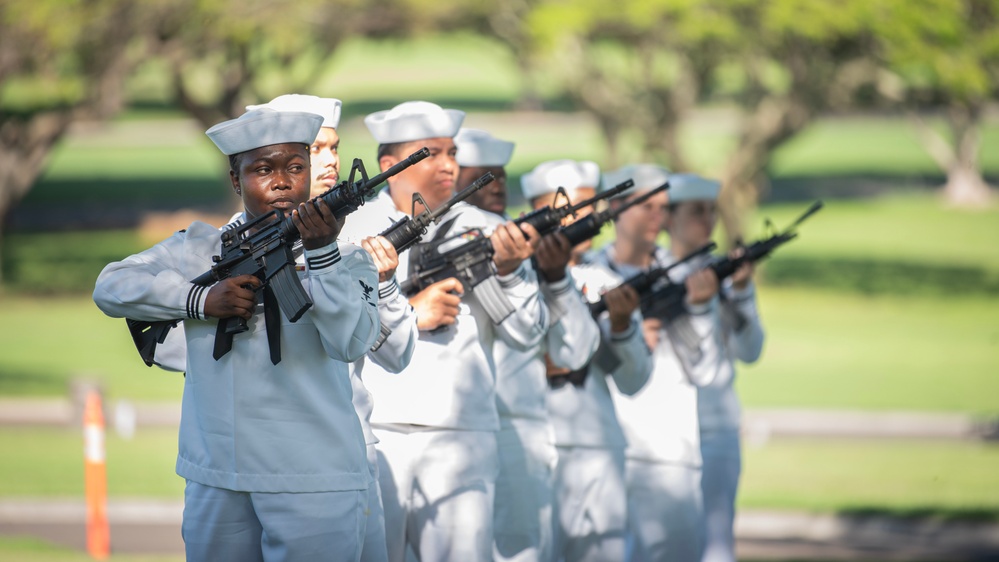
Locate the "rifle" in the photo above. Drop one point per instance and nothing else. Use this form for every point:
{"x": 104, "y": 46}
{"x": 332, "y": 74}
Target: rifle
{"x": 547, "y": 219}
{"x": 467, "y": 256}
{"x": 644, "y": 282}
{"x": 407, "y": 231}
{"x": 668, "y": 302}
{"x": 590, "y": 225}
{"x": 263, "y": 247}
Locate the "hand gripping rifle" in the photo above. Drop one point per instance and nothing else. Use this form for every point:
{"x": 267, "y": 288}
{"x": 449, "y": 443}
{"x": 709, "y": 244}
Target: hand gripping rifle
{"x": 409, "y": 230}
{"x": 645, "y": 282}
{"x": 590, "y": 225}
{"x": 468, "y": 256}
{"x": 263, "y": 247}
{"x": 547, "y": 219}
{"x": 668, "y": 302}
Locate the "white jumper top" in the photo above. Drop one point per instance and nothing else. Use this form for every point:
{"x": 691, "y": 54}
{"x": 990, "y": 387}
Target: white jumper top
{"x": 248, "y": 425}
{"x": 450, "y": 380}
{"x": 584, "y": 416}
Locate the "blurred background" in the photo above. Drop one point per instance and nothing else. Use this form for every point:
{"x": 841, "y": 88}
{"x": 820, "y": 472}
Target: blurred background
{"x": 871, "y": 418}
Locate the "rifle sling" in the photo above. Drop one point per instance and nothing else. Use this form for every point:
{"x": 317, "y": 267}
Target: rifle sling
{"x": 272, "y": 322}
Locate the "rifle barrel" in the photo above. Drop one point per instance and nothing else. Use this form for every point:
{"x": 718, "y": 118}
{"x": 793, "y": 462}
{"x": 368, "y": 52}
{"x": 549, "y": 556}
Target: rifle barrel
{"x": 476, "y": 185}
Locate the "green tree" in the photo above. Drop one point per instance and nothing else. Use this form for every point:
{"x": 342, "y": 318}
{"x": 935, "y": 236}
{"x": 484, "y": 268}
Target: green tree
{"x": 60, "y": 61}
{"x": 222, "y": 55}
{"x": 946, "y": 56}
{"x": 644, "y": 66}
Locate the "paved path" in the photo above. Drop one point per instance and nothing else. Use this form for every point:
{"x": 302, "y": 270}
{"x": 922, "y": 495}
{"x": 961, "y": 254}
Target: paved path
{"x": 153, "y": 527}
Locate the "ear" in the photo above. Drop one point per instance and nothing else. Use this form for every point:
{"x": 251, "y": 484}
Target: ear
{"x": 387, "y": 161}
{"x": 234, "y": 179}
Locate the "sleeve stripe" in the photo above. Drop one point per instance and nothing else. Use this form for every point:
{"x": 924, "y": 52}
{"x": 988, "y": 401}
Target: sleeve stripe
{"x": 194, "y": 301}
{"x": 388, "y": 289}
{"x": 325, "y": 260}
{"x": 559, "y": 291}
{"x": 515, "y": 278}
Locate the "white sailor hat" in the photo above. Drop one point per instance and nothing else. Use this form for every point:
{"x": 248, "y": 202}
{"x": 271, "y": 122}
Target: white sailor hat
{"x": 478, "y": 148}
{"x": 547, "y": 177}
{"x": 645, "y": 176}
{"x": 692, "y": 187}
{"x": 264, "y": 127}
{"x": 329, "y": 108}
{"x": 414, "y": 120}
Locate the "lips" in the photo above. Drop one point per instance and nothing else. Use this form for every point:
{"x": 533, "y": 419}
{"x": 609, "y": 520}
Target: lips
{"x": 283, "y": 203}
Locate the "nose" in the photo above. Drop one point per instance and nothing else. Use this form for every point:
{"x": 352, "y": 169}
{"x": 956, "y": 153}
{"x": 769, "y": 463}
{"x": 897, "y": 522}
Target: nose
{"x": 282, "y": 181}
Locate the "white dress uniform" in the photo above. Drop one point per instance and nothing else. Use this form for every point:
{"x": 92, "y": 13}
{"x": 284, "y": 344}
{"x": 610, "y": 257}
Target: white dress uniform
{"x": 591, "y": 512}
{"x": 393, "y": 355}
{"x": 522, "y": 514}
{"x": 666, "y": 502}
{"x": 436, "y": 421}
{"x": 273, "y": 454}
{"x": 664, "y": 458}
{"x": 524, "y": 490}
{"x": 719, "y": 412}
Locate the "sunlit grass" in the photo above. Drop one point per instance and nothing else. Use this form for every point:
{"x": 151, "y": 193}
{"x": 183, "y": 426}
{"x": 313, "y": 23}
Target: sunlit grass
{"x": 905, "y": 478}
{"x": 19, "y": 549}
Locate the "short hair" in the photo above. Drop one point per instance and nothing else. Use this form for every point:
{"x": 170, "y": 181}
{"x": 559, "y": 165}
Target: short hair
{"x": 234, "y": 161}
{"x": 389, "y": 149}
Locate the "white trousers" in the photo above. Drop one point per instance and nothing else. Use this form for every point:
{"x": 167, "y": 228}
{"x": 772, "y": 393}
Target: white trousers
{"x": 374, "y": 548}
{"x": 590, "y": 506}
{"x": 719, "y": 485}
{"x": 665, "y": 512}
{"x": 522, "y": 512}
{"x": 437, "y": 490}
{"x": 223, "y": 525}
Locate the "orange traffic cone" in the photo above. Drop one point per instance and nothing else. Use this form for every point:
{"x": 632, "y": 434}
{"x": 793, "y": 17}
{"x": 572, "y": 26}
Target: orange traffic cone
{"x": 95, "y": 478}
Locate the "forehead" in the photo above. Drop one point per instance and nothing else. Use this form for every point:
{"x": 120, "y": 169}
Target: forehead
{"x": 659, "y": 199}
{"x": 275, "y": 151}
{"x": 327, "y": 135}
{"x": 436, "y": 143}
{"x": 696, "y": 205}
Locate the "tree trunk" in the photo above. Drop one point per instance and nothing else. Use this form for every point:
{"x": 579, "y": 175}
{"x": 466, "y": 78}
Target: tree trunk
{"x": 965, "y": 186}
{"x": 773, "y": 122}
{"x": 25, "y": 144}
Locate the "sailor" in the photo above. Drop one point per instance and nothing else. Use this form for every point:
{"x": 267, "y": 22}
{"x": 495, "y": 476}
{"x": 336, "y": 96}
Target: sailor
{"x": 437, "y": 421}
{"x": 590, "y": 518}
{"x": 527, "y": 455}
{"x": 273, "y": 454}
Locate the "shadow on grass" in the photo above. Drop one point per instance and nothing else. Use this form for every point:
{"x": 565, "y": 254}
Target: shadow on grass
{"x": 877, "y": 277}
{"x": 120, "y": 203}
{"x": 15, "y": 382}
{"x": 983, "y": 515}
{"x": 853, "y": 186}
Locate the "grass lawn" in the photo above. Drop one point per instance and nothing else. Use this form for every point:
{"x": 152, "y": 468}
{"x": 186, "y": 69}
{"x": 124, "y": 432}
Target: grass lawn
{"x": 48, "y": 342}
{"x": 953, "y": 479}
{"x": 834, "y": 350}
{"x": 49, "y": 463}
{"x": 18, "y": 549}
{"x": 905, "y": 478}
